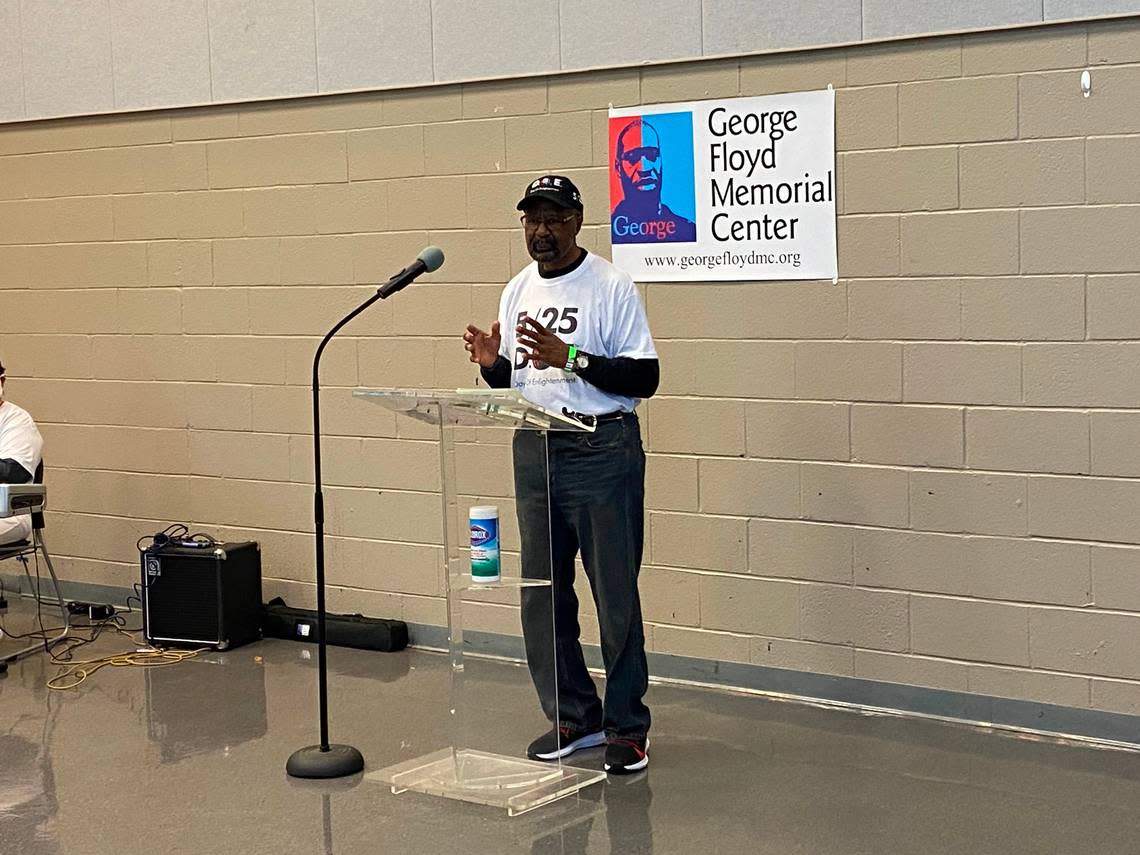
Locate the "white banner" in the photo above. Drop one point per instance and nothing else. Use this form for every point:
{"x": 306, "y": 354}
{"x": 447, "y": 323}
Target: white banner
{"x": 735, "y": 189}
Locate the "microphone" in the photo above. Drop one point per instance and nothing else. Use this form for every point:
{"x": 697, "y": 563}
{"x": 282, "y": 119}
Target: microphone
{"x": 429, "y": 260}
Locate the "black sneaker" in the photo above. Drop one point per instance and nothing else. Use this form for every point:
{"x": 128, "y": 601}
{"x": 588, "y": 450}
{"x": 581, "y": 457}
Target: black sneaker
{"x": 562, "y": 741}
{"x": 626, "y": 754}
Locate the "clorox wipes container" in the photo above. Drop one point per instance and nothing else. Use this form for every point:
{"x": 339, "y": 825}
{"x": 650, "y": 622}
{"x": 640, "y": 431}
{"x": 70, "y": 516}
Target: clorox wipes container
{"x": 485, "y": 567}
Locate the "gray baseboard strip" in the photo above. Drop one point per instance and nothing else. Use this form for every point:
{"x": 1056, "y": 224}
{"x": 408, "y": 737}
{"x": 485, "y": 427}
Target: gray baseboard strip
{"x": 78, "y": 591}
{"x": 1115, "y": 729}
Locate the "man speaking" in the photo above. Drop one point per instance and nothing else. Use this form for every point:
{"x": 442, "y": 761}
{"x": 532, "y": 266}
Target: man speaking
{"x": 572, "y": 337}
{"x": 641, "y": 216}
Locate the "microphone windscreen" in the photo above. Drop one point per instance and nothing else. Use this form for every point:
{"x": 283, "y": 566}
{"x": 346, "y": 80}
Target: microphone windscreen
{"x": 432, "y": 257}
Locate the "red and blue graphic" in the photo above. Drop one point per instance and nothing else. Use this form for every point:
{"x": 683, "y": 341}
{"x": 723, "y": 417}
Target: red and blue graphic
{"x": 652, "y": 192}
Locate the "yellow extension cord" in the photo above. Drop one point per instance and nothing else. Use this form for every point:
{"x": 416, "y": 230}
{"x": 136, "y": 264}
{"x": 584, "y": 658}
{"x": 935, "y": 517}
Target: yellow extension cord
{"x": 75, "y": 673}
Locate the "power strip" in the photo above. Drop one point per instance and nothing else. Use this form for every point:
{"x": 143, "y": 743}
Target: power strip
{"x": 91, "y": 611}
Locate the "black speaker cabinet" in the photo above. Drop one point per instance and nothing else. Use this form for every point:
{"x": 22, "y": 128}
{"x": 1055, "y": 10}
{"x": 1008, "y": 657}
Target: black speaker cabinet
{"x": 202, "y": 596}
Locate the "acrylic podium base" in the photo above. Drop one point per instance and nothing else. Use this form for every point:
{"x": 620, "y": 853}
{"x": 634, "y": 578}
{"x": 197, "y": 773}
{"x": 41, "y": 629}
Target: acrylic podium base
{"x": 489, "y": 779}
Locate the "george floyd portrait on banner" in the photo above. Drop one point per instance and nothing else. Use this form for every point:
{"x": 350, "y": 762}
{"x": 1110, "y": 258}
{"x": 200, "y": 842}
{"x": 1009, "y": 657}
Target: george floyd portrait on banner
{"x": 645, "y": 207}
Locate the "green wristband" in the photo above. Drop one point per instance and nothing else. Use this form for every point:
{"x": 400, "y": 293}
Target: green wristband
{"x": 569, "y": 366}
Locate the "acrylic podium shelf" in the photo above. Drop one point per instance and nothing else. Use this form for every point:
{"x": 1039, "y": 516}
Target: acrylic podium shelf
{"x": 462, "y": 770}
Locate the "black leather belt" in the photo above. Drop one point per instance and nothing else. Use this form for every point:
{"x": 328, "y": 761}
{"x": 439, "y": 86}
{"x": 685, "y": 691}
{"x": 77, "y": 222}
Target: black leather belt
{"x": 616, "y": 415}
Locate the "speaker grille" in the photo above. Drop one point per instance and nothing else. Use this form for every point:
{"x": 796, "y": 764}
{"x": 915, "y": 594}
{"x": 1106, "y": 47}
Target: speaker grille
{"x": 182, "y": 602}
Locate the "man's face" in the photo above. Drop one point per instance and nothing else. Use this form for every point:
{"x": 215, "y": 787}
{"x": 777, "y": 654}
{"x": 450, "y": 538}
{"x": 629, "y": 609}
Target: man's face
{"x": 550, "y": 231}
{"x": 640, "y": 161}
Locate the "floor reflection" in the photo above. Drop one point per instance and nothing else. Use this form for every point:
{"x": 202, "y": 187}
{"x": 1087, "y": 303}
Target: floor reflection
{"x": 28, "y": 805}
{"x": 190, "y": 759}
{"x": 620, "y": 805}
{"x": 205, "y": 705}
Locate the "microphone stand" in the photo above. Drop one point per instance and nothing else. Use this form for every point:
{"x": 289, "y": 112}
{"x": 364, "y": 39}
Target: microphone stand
{"x": 325, "y": 760}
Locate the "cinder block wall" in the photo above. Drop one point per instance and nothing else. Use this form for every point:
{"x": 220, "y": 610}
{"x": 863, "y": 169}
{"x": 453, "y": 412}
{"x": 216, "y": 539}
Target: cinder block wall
{"x": 926, "y": 474}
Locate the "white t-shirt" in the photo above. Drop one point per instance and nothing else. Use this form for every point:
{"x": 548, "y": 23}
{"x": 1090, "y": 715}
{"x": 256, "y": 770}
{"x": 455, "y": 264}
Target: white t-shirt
{"x": 20, "y": 441}
{"x": 595, "y": 307}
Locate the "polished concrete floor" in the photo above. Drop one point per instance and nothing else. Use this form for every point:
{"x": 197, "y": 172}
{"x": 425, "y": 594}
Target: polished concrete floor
{"x": 190, "y": 759}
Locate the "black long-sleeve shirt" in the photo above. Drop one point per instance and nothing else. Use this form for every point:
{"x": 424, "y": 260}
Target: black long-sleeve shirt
{"x": 621, "y": 375}
{"x": 12, "y": 472}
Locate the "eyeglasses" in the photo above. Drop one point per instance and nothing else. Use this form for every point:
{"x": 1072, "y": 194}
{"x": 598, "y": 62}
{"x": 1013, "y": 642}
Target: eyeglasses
{"x": 551, "y": 221}
{"x": 650, "y": 153}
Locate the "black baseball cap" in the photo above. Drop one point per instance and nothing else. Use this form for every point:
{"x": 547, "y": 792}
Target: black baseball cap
{"x": 553, "y": 188}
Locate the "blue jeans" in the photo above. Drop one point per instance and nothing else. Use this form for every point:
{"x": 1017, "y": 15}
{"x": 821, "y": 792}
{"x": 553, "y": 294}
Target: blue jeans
{"x": 597, "y": 506}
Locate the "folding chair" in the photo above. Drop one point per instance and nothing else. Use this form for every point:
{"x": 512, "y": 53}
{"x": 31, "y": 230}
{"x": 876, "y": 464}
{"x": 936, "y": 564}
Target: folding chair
{"x": 22, "y": 499}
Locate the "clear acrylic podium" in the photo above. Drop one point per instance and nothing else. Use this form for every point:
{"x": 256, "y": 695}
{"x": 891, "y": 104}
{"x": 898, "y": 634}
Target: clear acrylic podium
{"x": 463, "y": 770}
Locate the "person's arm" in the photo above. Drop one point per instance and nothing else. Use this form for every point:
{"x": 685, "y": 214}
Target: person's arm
{"x": 622, "y": 375}
{"x": 635, "y": 371}
{"x": 12, "y": 472}
{"x": 498, "y": 376}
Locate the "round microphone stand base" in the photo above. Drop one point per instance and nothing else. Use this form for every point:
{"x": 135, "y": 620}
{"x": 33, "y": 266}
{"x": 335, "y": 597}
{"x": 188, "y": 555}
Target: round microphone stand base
{"x": 338, "y": 761}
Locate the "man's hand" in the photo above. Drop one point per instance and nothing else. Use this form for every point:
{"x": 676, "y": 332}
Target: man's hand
{"x": 483, "y": 347}
{"x": 545, "y": 346}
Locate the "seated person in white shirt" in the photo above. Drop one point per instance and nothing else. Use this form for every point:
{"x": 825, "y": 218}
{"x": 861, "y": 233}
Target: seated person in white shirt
{"x": 21, "y": 449}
